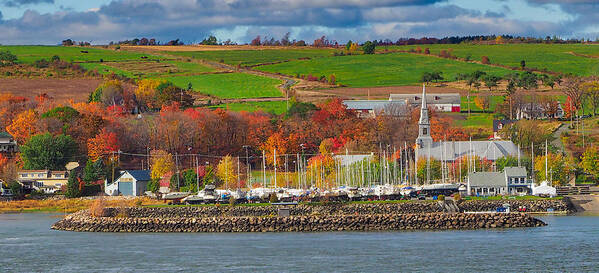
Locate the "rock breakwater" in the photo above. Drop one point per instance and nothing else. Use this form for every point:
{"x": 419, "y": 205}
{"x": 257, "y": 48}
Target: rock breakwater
{"x": 331, "y": 217}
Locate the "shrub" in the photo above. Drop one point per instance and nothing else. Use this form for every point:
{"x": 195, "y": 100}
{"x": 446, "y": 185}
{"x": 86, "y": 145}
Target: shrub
{"x": 97, "y": 208}
{"x": 441, "y": 197}
{"x": 457, "y": 197}
{"x": 427, "y": 51}
{"x": 273, "y": 198}
{"x": 231, "y": 201}
{"x": 122, "y": 210}
{"x": 485, "y": 60}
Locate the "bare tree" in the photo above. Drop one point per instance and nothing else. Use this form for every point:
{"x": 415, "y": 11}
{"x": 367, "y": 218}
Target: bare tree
{"x": 574, "y": 90}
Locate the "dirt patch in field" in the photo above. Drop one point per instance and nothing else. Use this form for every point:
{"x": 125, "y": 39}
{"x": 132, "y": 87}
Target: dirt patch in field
{"x": 62, "y": 90}
{"x": 208, "y": 48}
{"x": 383, "y": 92}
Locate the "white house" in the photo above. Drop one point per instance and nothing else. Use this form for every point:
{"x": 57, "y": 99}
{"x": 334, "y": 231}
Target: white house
{"x": 443, "y": 102}
{"x": 538, "y": 111}
{"x": 512, "y": 181}
{"x": 129, "y": 183}
{"x": 44, "y": 180}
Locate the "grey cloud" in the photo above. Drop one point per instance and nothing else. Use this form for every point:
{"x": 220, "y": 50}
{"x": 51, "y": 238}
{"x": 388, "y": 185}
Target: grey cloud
{"x": 416, "y": 14}
{"x": 307, "y": 19}
{"x": 18, "y": 3}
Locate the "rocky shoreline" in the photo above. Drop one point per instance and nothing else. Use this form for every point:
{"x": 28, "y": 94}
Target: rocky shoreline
{"x": 309, "y": 218}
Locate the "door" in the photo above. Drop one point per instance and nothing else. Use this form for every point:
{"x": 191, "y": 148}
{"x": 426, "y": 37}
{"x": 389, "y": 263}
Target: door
{"x": 126, "y": 188}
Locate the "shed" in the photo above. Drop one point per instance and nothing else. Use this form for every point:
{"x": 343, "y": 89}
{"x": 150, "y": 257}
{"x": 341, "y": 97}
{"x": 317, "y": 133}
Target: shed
{"x": 129, "y": 183}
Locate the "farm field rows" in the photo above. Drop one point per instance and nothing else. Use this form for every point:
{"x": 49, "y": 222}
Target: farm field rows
{"x": 230, "y": 85}
{"x": 254, "y": 57}
{"x": 379, "y": 70}
{"x": 553, "y": 57}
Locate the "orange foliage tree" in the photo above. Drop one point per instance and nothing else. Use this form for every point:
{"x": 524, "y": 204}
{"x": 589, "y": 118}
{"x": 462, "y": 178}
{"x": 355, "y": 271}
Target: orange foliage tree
{"x": 23, "y": 126}
{"x": 102, "y": 144}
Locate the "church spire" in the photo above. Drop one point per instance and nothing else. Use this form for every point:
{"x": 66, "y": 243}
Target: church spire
{"x": 424, "y": 108}
{"x": 424, "y": 135}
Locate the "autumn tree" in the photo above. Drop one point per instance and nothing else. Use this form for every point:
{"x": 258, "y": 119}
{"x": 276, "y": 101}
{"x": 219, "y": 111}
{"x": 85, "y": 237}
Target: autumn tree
{"x": 574, "y": 90}
{"x": 525, "y": 132}
{"x": 225, "y": 171}
{"x": 23, "y": 126}
{"x": 590, "y": 161}
{"x": 558, "y": 169}
{"x": 591, "y": 91}
{"x": 48, "y": 152}
{"x": 161, "y": 162}
{"x": 146, "y": 91}
{"x": 482, "y": 102}
{"x": 569, "y": 108}
{"x": 428, "y": 170}
{"x": 109, "y": 93}
{"x": 103, "y": 144}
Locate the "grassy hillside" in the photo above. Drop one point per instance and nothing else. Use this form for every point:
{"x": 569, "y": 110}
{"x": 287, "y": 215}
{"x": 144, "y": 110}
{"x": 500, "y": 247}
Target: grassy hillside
{"x": 253, "y": 57}
{"x": 558, "y": 58}
{"x": 29, "y": 54}
{"x": 276, "y": 107}
{"x": 230, "y": 85}
{"x": 379, "y": 70}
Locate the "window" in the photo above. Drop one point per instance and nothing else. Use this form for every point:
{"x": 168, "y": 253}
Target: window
{"x": 424, "y": 131}
{"x": 24, "y": 175}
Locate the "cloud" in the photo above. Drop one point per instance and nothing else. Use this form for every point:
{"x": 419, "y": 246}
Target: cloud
{"x": 18, "y": 3}
{"x": 193, "y": 20}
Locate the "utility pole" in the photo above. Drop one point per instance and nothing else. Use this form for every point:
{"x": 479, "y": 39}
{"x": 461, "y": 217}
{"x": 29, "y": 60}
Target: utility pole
{"x": 247, "y": 164}
{"x": 197, "y": 173}
{"x": 177, "y": 168}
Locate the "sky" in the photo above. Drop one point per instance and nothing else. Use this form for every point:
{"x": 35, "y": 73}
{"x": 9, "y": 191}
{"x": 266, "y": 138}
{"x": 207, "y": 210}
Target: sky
{"x": 102, "y": 21}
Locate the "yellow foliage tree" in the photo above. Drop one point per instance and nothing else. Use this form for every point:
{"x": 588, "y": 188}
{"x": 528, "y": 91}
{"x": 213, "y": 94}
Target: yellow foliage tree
{"x": 225, "y": 171}
{"x": 162, "y": 163}
{"x": 499, "y": 40}
{"x": 23, "y": 126}
{"x": 146, "y": 90}
{"x": 482, "y": 101}
{"x": 353, "y": 47}
{"x": 558, "y": 169}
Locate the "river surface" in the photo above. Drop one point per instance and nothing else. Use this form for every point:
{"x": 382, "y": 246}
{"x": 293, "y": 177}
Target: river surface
{"x": 567, "y": 244}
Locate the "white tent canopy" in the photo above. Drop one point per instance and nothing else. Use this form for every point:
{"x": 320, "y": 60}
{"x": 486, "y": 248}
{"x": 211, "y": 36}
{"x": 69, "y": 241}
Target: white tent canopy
{"x": 544, "y": 189}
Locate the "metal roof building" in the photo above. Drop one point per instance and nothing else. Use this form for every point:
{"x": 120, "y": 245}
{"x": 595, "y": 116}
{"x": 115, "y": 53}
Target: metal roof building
{"x": 370, "y": 108}
{"x": 453, "y": 150}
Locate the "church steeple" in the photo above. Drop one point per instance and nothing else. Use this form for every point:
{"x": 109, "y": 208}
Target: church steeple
{"x": 424, "y": 135}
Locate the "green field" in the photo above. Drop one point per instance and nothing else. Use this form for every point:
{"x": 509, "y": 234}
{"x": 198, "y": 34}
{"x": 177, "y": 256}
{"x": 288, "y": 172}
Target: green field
{"x": 253, "y": 57}
{"x": 230, "y": 85}
{"x": 106, "y": 61}
{"x": 29, "y": 54}
{"x": 275, "y": 107}
{"x": 553, "y": 57}
{"x": 379, "y": 70}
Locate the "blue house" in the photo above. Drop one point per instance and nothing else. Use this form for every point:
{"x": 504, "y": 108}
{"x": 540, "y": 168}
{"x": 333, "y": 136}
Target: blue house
{"x": 129, "y": 183}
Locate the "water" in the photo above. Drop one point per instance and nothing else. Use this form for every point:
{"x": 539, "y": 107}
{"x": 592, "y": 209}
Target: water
{"x": 568, "y": 243}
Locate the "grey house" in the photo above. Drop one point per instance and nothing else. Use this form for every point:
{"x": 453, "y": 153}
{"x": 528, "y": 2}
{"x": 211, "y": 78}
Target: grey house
{"x": 129, "y": 183}
{"x": 512, "y": 181}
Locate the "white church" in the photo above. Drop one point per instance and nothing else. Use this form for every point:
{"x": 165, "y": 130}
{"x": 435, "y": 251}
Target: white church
{"x": 450, "y": 151}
